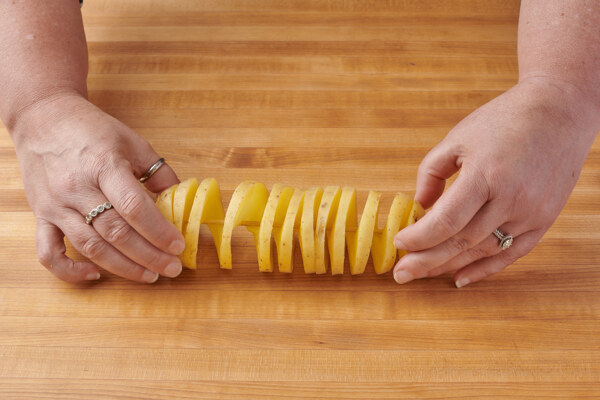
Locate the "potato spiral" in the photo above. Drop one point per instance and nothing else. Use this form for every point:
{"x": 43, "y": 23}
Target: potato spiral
{"x": 321, "y": 217}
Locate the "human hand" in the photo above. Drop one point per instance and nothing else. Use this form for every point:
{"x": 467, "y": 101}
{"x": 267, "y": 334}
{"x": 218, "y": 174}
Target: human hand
{"x": 73, "y": 157}
{"x": 520, "y": 156}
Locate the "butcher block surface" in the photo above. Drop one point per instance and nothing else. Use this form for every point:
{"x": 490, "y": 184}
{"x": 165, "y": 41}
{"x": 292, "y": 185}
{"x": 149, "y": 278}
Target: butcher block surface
{"x": 306, "y": 93}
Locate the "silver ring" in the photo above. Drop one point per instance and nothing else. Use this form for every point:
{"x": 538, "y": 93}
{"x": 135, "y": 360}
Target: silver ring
{"x": 97, "y": 211}
{"x": 505, "y": 240}
{"x": 152, "y": 170}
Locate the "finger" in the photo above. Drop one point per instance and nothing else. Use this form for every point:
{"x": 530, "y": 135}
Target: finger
{"x": 144, "y": 158}
{"x": 437, "y": 166}
{"x": 451, "y": 213}
{"x": 129, "y": 199}
{"x": 162, "y": 179}
{"x": 116, "y": 231}
{"x": 416, "y": 265}
{"x": 489, "y": 247}
{"x": 485, "y": 267}
{"x": 51, "y": 253}
{"x": 91, "y": 245}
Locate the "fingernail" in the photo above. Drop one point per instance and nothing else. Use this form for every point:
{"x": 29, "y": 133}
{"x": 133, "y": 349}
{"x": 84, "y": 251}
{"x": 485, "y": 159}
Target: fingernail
{"x": 399, "y": 245}
{"x": 403, "y": 276}
{"x": 177, "y": 247}
{"x": 149, "y": 276}
{"x": 92, "y": 276}
{"x": 462, "y": 282}
{"x": 173, "y": 269}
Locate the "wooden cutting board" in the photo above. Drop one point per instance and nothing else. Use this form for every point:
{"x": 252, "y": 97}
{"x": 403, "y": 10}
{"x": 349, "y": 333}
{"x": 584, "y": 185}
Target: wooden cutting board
{"x": 314, "y": 92}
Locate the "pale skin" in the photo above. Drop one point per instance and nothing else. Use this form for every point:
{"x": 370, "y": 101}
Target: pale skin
{"x": 519, "y": 155}
{"x": 73, "y": 156}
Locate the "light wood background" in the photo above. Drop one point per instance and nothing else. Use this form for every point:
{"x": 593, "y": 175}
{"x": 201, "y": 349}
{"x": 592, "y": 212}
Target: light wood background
{"x": 310, "y": 92}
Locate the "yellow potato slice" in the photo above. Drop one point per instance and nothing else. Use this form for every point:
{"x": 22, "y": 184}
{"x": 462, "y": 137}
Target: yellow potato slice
{"x": 416, "y": 212}
{"x": 246, "y": 207}
{"x": 284, "y": 236}
{"x": 318, "y": 215}
{"x": 182, "y": 202}
{"x": 165, "y": 202}
{"x": 272, "y": 220}
{"x": 345, "y": 218}
{"x": 359, "y": 241}
{"x": 383, "y": 250}
{"x": 207, "y": 207}
{"x": 306, "y": 234}
{"x": 327, "y": 211}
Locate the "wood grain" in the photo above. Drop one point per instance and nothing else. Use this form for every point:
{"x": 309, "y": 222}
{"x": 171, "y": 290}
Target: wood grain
{"x": 312, "y": 92}
{"x": 106, "y": 389}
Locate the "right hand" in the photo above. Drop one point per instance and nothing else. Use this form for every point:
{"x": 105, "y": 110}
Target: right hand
{"x": 74, "y": 157}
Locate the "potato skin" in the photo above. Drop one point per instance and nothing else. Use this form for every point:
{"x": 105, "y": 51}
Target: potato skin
{"x": 325, "y": 221}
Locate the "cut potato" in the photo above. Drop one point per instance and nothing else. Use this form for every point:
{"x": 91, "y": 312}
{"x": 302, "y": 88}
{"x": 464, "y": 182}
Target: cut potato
{"x": 247, "y": 205}
{"x": 326, "y": 216}
{"x": 165, "y": 202}
{"x": 271, "y": 223}
{"x": 318, "y": 216}
{"x": 359, "y": 241}
{"x": 306, "y": 234}
{"x": 383, "y": 250}
{"x": 284, "y": 236}
{"x": 416, "y": 213}
{"x": 345, "y": 218}
{"x": 182, "y": 202}
{"x": 207, "y": 207}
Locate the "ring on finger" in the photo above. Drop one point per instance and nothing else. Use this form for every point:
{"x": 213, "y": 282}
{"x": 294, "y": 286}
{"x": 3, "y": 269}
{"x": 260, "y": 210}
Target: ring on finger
{"x": 506, "y": 240}
{"x": 89, "y": 218}
{"x": 152, "y": 170}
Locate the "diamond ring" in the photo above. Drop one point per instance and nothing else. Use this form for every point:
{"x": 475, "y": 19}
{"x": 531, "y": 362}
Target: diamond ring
{"x": 97, "y": 211}
{"x": 505, "y": 240}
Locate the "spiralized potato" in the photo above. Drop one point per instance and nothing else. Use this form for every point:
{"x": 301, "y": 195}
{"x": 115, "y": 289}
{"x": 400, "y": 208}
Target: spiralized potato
{"x": 320, "y": 217}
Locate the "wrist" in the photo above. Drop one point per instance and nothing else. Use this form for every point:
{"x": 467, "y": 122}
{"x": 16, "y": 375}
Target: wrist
{"x": 38, "y": 115}
{"x": 567, "y": 101}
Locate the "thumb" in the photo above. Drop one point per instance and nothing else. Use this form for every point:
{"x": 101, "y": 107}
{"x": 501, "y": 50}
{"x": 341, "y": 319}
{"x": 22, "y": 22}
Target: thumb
{"x": 438, "y": 165}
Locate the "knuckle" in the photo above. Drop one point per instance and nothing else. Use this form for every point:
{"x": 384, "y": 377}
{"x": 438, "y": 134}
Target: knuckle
{"x": 45, "y": 256}
{"x": 105, "y": 164}
{"x": 419, "y": 268}
{"x": 131, "y": 206}
{"x": 477, "y": 253}
{"x": 156, "y": 262}
{"x": 481, "y": 187}
{"x": 445, "y": 225}
{"x": 68, "y": 183}
{"x": 45, "y": 208}
{"x": 424, "y": 168}
{"x": 101, "y": 171}
{"x": 481, "y": 191}
{"x": 459, "y": 244}
{"x": 69, "y": 271}
{"x": 435, "y": 272}
{"x": 118, "y": 231}
{"x": 407, "y": 240}
{"x": 92, "y": 247}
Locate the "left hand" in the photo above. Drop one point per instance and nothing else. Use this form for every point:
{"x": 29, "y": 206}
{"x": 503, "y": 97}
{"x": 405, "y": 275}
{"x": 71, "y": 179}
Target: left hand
{"x": 520, "y": 156}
